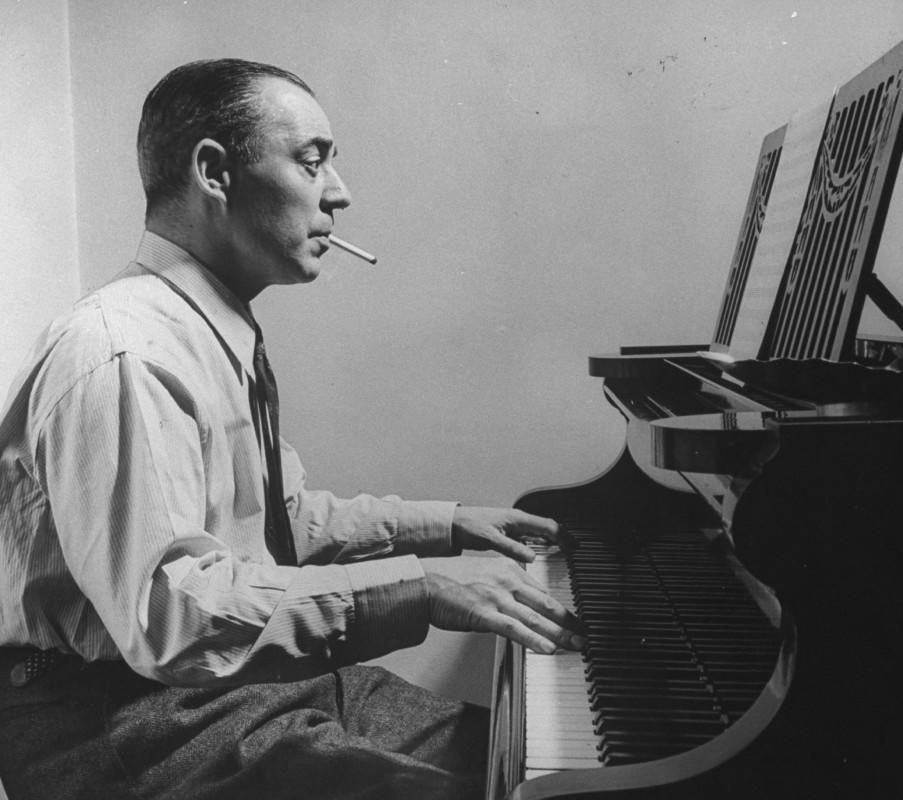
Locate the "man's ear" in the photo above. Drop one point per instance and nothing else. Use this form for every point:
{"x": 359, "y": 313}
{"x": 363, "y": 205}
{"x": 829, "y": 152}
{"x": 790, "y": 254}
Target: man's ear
{"x": 211, "y": 169}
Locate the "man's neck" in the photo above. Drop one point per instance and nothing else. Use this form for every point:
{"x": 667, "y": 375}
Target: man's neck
{"x": 194, "y": 238}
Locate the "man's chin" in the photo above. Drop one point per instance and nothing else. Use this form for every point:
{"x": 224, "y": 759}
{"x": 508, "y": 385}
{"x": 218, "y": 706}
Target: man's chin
{"x": 310, "y": 275}
{"x": 304, "y": 271}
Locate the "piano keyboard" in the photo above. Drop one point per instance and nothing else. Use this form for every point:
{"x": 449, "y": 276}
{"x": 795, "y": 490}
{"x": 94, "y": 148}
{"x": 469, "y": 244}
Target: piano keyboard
{"x": 677, "y": 650}
{"x": 559, "y": 725}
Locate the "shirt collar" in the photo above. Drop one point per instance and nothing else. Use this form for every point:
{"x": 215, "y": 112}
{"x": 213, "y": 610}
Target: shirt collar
{"x": 227, "y": 315}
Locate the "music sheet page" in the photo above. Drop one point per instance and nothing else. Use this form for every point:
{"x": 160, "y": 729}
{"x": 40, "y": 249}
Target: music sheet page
{"x": 785, "y": 207}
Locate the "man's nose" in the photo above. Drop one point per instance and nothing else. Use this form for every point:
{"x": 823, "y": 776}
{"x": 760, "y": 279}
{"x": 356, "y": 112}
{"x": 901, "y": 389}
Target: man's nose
{"x": 336, "y": 194}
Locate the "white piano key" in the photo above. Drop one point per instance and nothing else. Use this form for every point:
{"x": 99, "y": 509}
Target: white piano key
{"x": 542, "y": 699}
{"x": 548, "y": 749}
{"x": 560, "y": 762}
{"x": 529, "y": 774}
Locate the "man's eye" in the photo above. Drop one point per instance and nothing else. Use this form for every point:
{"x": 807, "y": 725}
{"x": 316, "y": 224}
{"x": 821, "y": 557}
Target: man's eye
{"x": 312, "y": 165}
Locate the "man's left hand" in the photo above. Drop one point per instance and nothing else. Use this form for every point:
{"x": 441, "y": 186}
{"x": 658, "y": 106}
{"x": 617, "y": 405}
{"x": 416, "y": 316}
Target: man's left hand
{"x": 503, "y": 529}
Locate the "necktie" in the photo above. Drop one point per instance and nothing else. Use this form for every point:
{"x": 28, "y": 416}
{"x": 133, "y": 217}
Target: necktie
{"x": 278, "y": 528}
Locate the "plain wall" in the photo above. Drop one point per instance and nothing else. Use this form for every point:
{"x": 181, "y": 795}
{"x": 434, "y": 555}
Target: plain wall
{"x": 38, "y": 244}
{"x": 541, "y": 181}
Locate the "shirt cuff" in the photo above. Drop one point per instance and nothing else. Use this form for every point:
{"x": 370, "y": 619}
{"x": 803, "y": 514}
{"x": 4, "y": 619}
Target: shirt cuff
{"x": 391, "y": 605}
{"x": 425, "y": 528}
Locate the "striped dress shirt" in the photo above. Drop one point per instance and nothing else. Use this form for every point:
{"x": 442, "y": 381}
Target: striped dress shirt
{"x": 132, "y": 502}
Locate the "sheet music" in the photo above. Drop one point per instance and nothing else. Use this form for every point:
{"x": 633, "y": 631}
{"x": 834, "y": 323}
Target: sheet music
{"x": 785, "y": 206}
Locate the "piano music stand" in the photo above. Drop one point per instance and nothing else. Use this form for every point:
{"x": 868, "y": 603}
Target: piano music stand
{"x": 829, "y": 267}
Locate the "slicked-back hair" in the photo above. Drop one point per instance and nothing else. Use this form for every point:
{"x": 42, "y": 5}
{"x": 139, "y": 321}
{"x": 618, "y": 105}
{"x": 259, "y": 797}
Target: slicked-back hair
{"x": 216, "y": 99}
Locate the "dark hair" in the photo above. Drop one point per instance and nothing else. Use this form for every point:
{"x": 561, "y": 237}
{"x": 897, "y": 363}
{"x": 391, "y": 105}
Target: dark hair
{"x": 212, "y": 98}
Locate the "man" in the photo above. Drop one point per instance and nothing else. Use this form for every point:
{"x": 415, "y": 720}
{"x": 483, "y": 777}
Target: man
{"x": 179, "y": 614}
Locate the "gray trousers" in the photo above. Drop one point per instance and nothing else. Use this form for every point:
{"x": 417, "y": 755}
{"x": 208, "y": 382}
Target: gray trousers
{"x": 101, "y": 731}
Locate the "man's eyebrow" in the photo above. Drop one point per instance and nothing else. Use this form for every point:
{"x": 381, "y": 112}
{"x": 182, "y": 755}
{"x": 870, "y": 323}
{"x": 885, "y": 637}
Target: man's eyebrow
{"x": 322, "y": 143}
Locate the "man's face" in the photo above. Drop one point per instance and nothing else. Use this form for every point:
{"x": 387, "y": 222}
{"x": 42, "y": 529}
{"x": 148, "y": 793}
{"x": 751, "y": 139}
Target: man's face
{"x": 280, "y": 208}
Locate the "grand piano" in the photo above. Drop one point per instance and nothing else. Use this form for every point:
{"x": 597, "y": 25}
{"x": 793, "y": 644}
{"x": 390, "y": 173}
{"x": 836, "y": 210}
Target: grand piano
{"x": 736, "y": 569}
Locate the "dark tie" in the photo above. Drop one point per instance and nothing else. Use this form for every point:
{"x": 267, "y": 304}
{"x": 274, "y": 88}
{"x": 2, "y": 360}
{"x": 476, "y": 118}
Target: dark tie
{"x": 278, "y": 528}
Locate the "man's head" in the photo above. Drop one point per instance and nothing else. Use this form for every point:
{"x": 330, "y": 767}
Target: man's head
{"x": 236, "y": 162}
{"x": 216, "y": 99}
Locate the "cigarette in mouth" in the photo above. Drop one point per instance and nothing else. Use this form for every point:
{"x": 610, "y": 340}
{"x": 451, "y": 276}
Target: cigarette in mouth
{"x": 353, "y": 249}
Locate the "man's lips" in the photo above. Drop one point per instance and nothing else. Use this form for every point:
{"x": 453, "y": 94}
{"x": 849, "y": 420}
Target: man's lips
{"x": 322, "y": 239}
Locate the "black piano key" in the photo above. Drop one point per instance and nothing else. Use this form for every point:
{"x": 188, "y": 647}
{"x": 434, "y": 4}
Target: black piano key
{"x": 611, "y": 702}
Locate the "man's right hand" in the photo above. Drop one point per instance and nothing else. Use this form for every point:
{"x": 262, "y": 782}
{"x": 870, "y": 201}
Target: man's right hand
{"x": 494, "y": 595}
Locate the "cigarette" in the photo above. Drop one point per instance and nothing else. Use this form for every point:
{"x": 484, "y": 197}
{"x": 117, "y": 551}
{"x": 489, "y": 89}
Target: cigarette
{"x": 353, "y": 249}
